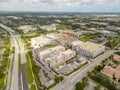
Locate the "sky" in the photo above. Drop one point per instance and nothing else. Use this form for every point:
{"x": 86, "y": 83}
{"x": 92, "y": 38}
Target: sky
{"x": 61, "y": 5}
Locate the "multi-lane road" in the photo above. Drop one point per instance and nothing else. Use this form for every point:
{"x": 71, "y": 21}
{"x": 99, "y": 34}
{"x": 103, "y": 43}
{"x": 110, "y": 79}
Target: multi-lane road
{"x": 14, "y": 81}
{"x": 23, "y": 63}
{"x": 19, "y": 48}
{"x": 14, "y": 78}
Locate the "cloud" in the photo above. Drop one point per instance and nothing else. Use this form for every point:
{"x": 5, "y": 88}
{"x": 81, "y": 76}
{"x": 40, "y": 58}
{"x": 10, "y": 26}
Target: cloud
{"x": 56, "y": 4}
{"x": 5, "y": 0}
{"x": 69, "y": 2}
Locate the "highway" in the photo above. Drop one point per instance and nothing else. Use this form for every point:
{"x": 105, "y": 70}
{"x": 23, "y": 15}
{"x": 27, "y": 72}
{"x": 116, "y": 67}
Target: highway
{"x": 14, "y": 79}
{"x": 14, "y": 82}
{"x": 23, "y": 63}
{"x": 69, "y": 82}
{"x": 19, "y": 48}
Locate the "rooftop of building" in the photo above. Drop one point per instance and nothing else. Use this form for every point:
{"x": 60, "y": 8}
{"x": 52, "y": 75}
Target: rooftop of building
{"x": 53, "y": 49}
{"x": 69, "y": 51}
{"x": 116, "y": 57}
{"x": 112, "y": 71}
{"x": 74, "y": 43}
{"x": 89, "y": 46}
{"x": 27, "y": 27}
{"x": 109, "y": 70}
{"x": 41, "y": 39}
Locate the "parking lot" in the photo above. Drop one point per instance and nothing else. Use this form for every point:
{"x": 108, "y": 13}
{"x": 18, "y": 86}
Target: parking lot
{"x": 67, "y": 68}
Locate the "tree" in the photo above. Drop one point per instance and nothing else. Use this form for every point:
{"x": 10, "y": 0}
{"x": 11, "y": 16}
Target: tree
{"x": 97, "y": 88}
{"x": 119, "y": 80}
{"x": 82, "y": 85}
{"x": 98, "y": 68}
{"x": 114, "y": 78}
{"x": 78, "y": 86}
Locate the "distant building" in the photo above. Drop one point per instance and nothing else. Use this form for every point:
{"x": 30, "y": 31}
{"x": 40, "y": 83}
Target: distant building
{"x": 100, "y": 23}
{"x": 58, "y": 21}
{"x": 53, "y": 36}
{"x": 40, "y": 41}
{"x": 62, "y": 38}
{"x": 27, "y": 28}
{"x": 70, "y": 32}
{"x": 49, "y": 28}
{"x": 105, "y": 32}
{"x": 88, "y": 48}
{"x": 91, "y": 29}
{"x": 14, "y": 17}
{"x": 112, "y": 28}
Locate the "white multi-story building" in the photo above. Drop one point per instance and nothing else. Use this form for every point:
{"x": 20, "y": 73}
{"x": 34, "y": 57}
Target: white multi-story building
{"x": 88, "y": 48}
{"x": 50, "y": 52}
{"x": 60, "y": 58}
{"x": 55, "y": 56}
{"x": 68, "y": 54}
{"x": 40, "y": 41}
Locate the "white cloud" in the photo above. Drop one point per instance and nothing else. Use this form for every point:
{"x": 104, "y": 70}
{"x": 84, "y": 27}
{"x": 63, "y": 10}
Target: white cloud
{"x": 52, "y": 4}
{"x": 69, "y": 2}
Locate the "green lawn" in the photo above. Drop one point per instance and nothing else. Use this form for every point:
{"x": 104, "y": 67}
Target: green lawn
{"x": 3, "y": 75}
{"x": 29, "y": 71}
{"x": 19, "y": 62}
{"x": 5, "y": 65}
{"x": 61, "y": 27}
{"x": 31, "y": 35}
{"x": 35, "y": 69}
{"x": 86, "y": 38}
{"x": 32, "y": 87}
{"x": 117, "y": 39}
{"x": 2, "y": 82}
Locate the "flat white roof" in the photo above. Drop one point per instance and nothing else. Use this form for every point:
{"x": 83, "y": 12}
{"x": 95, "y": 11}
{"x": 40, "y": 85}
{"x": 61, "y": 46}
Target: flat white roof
{"x": 41, "y": 39}
{"x": 53, "y": 49}
{"x": 77, "y": 43}
{"x": 89, "y": 46}
{"x": 67, "y": 52}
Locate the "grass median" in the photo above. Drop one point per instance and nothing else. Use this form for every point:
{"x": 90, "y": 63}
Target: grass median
{"x": 32, "y": 72}
{"x": 19, "y": 62}
{"x": 28, "y": 69}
